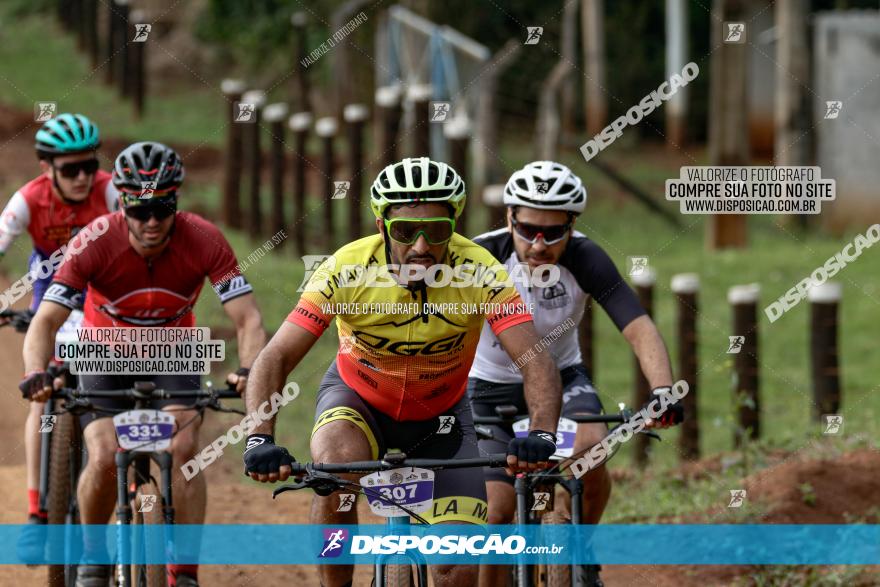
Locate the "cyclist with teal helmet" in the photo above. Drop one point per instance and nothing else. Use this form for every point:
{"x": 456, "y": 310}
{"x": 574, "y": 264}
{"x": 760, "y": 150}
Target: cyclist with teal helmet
{"x": 68, "y": 194}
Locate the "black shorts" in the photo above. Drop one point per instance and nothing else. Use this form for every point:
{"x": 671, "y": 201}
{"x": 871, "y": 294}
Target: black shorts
{"x": 459, "y": 494}
{"x": 108, "y": 382}
{"x": 578, "y": 397}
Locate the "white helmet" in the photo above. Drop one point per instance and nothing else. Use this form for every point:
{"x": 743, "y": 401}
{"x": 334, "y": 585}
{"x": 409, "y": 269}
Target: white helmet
{"x": 417, "y": 180}
{"x": 546, "y": 185}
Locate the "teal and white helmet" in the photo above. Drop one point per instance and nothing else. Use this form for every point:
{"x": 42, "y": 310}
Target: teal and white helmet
{"x": 65, "y": 134}
{"x": 417, "y": 180}
{"x": 546, "y": 185}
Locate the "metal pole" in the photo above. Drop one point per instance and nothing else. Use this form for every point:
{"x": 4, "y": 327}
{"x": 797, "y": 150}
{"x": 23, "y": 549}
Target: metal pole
{"x": 299, "y": 123}
{"x": 686, "y": 287}
{"x": 744, "y": 299}
{"x": 232, "y": 89}
{"x": 458, "y": 132}
{"x": 275, "y": 114}
{"x": 255, "y": 161}
{"x": 355, "y": 117}
{"x": 825, "y": 366}
{"x": 644, "y": 286}
{"x": 326, "y": 129}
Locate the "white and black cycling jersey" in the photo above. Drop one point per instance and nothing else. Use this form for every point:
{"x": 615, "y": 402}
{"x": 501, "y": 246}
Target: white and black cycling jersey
{"x": 585, "y": 270}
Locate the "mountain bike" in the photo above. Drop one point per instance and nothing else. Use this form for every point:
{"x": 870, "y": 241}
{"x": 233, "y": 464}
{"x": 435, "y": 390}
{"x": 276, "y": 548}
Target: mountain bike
{"x": 59, "y": 447}
{"x": 144, "y": 435}
{"x": 535, "y": 491}
{"x": 397, "y": 488}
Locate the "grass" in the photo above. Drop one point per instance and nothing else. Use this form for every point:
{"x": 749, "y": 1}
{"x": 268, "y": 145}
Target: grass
{"x": 42, "y": 63}
{"x": 777, "y": 258}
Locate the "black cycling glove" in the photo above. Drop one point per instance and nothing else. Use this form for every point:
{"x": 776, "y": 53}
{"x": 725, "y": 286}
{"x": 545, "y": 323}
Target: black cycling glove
{"x": 261, "y": 455}
{"x": 537, "y": 447}
{"x": 674, "y": 412}
{"x": 34, "y": 382}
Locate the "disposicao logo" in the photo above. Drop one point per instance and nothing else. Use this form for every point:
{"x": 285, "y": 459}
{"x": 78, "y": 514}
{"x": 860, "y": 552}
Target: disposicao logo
{"x": 333, "y": 542}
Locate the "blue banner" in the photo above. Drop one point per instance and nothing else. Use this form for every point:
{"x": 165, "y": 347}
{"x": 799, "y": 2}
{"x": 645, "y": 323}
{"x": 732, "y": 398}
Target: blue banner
{"x": 286, "y": 544}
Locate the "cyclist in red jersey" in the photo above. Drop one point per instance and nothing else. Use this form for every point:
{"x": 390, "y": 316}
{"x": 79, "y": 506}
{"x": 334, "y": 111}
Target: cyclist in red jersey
{"x": 69, "y": 193}
{"x": 146, "y": 269}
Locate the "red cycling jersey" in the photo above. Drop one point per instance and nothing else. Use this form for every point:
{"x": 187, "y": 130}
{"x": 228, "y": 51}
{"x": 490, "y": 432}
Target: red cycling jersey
{"x": 125, "y": 289}
{"x": 50, "y": 220}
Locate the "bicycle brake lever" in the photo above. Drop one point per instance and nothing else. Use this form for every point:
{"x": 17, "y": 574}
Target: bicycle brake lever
{"x": 284, "y": 488}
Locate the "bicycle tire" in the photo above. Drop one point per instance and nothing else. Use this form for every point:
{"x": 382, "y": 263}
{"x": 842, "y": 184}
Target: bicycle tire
{"x": 399, "y": 576}
{"x": 64, "y": 464}
{"x": 147, "y": 575}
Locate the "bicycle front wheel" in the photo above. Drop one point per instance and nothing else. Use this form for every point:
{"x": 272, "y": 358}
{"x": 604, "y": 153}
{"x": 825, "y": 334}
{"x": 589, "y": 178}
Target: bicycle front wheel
{"x": 65, "y": 459}
{"x": 147, "y": 510}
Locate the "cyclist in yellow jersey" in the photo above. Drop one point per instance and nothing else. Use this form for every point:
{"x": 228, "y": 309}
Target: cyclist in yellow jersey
{"x": 399, "y": 375}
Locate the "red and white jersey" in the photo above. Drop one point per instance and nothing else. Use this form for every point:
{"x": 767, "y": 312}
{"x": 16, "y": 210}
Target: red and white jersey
{"x": 125, "y": 289}
{"x": 50, "y": 220}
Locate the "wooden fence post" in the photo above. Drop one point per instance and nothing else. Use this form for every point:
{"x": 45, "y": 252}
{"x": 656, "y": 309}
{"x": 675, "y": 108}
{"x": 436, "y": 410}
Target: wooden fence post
{"x": 232, "y": 89}
{"x": 326, "y": 129}
{"x": 420, "y": 133}
{"x": 300, "y": 21}
{"x": 123, "y": 74}
{"x": 275, "y": 114}
{"x": 254, "y": 156}
{"x": 355, "y": 117}
{"x": 137, "y": 65}
{"x": 299, "y": 123}
{"x": 744, "y": 347}
{"x": 686, "y": 286}
{"x": 824, "y": 302}
{"x": 644, "y": 286}
{"x": 458, "y": 131}
{"x": 388, "y": 114}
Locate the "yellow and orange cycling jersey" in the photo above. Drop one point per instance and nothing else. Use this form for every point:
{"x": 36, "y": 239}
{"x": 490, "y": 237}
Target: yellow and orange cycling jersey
{"x": 407, "y": 350}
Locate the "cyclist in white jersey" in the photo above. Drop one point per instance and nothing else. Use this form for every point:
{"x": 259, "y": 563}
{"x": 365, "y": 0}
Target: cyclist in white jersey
{"x": 543, "y": 200}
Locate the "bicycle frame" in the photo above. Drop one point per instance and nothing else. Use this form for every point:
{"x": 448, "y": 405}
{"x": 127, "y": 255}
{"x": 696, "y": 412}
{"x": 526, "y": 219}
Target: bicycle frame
{"x": 524, "y": 482}
{"x": 142, "y": 393}
{"x": 391, "y": 461}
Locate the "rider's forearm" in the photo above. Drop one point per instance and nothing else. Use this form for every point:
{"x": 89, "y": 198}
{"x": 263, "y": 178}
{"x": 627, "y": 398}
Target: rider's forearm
{"x": 543, "y": 392}
{"x": 648, "y": 346}
{"x": 38, "y": 347}
{"x": 251, "y": 338}
{"x": 264, "y": 379}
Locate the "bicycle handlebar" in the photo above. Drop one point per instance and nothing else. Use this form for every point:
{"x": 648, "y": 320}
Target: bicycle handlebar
{"x": 129, "y": 393}
{"x": 494, "y": 460}
{"x": 580, "y": 419}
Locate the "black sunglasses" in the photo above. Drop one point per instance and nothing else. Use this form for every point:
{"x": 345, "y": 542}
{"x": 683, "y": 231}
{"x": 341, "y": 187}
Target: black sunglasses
{"x": 71, "y": 170}
{"x": 532, "y": 232}
{"x": 158, "y": 211}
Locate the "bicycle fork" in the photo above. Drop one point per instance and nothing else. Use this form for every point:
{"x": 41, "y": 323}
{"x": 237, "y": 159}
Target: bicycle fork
{"x": 520, "y": 486}
{"x": 124, "y": 514}
{"x": 399, "y": 524}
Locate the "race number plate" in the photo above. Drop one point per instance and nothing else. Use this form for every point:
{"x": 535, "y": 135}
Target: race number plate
{"x": 565, "y": 432}
{"x": 144, "y": 430}
{"x": 410, "y": 487}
